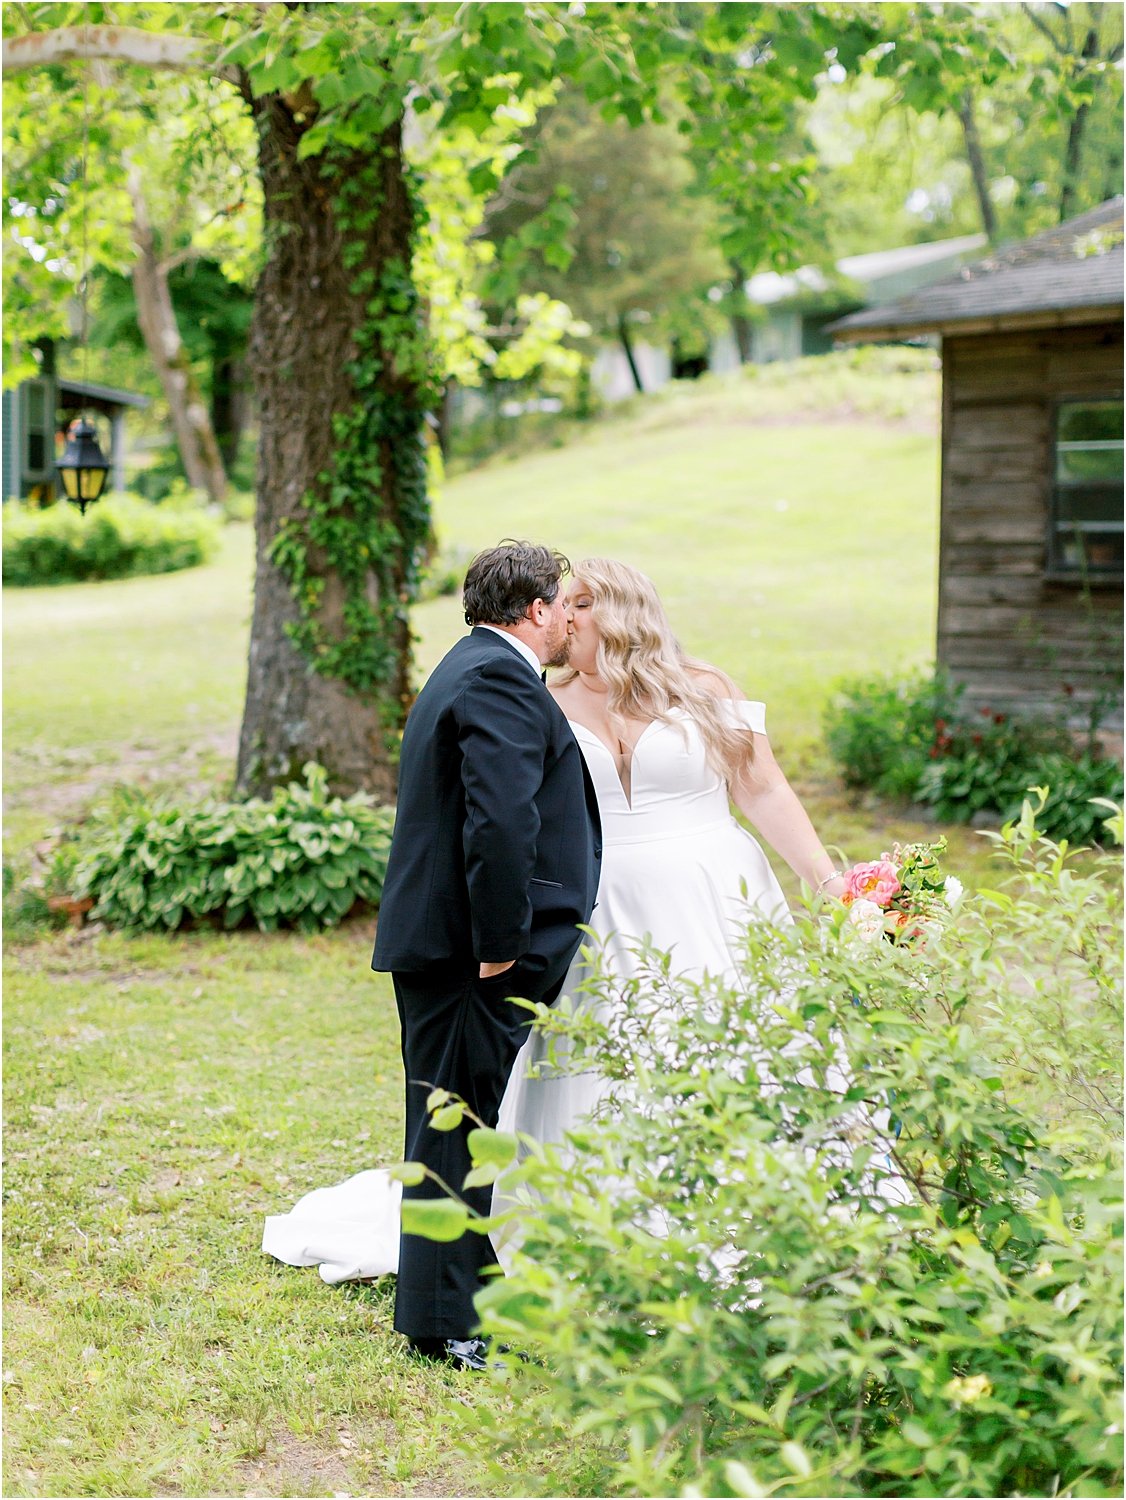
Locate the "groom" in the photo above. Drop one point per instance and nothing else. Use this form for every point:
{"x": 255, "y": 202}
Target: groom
{"x": 493, "y": 863}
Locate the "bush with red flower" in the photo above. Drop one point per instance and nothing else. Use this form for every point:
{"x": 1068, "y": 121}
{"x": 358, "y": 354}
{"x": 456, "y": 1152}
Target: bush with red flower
{"x": 915, "y": 738}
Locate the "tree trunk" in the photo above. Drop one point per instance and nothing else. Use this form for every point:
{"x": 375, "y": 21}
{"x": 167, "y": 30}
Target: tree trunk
{"x": 445, "y": 418}
{"x": 306, "y": 316}
{"x": 228, "y": 406}
{"x": 740, "y": 323}
{"x": 1069, "y": 192}
{"x": 976, "y": 159}
{"x": 623, "y": 334}
{"x": 195, "y": 436}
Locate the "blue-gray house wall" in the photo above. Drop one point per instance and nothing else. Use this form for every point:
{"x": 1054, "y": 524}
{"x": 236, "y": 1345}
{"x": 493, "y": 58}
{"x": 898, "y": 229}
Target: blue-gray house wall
{"x": 10, "y": 453}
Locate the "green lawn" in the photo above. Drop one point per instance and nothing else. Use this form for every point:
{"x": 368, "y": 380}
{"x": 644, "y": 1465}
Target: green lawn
{"x": 164, "y": 1094}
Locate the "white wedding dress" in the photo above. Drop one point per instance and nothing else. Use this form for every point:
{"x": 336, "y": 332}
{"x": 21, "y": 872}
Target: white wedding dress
{"x": 677, "y": 867}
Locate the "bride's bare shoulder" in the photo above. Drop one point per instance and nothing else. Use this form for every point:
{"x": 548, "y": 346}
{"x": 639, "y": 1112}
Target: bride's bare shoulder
{"x": 712, "y": 681}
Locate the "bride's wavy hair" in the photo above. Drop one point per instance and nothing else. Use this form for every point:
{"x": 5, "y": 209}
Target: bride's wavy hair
{"x": 646, "y": 670}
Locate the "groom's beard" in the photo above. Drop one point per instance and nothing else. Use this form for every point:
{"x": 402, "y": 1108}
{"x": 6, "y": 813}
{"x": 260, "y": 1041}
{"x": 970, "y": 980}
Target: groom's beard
{"x": 561, "y": 655}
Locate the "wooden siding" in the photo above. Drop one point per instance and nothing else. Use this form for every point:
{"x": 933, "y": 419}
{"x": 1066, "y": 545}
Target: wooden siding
{"x": 1012, "y": 636}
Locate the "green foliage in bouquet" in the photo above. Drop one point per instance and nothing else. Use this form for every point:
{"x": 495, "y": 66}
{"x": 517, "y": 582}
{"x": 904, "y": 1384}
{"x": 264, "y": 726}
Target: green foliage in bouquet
{"x": 120, "y": 537}
{"x": 302, "y": 859}
{"x": 820, "y": 1239}
{"x": 913, "y": 737}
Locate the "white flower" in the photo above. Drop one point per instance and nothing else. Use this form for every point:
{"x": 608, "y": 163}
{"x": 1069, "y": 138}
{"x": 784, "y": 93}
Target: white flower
{"x": 952, "y": 890}
{"x": 868, "y": 920}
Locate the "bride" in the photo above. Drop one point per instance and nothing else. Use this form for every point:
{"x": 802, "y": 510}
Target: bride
{"x": 670, "y": 745}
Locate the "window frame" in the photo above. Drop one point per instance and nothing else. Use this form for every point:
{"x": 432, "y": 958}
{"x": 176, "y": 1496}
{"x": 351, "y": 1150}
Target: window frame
{"x": 1056, "y": 570}
{"x": 39, "y": 387}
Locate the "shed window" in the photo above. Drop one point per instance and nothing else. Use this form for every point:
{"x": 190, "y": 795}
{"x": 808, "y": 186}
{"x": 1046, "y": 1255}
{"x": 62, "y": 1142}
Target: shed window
{"x": 1086, "y": 539}
{"x": 37, "y": 429}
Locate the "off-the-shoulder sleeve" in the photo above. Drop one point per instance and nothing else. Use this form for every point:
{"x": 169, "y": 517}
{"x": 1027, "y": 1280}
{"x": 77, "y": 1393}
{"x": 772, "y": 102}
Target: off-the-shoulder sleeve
{"x": 743, "y": 714}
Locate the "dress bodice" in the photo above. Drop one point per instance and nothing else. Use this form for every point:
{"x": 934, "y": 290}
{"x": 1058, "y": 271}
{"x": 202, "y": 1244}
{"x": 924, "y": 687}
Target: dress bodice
{"x": 673, "y": 789}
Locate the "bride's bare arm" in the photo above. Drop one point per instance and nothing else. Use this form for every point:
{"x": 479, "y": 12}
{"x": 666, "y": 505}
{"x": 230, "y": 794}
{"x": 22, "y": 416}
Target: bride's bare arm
{"x": 768, "y": 800}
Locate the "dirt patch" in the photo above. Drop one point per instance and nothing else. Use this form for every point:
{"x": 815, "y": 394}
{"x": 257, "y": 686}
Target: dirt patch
{"x": 62, "y": 799}
{"x": 293, "y": 1466}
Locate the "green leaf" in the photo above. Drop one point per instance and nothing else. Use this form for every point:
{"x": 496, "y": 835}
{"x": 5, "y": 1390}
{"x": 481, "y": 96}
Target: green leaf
{"x": 794, "y": 1456}
{"x": 438, "y": 1219}
{"x": 483, "y": 1176}
{"x": 497, "y": 1147}
{"x": 742, "y": 1482}
{"x": 409, "y": 1173}
{"x": 449, "y": 1117}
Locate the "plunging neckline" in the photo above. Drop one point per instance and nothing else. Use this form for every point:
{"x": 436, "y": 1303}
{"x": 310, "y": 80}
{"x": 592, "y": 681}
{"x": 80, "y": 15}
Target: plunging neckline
{"x": 627, "y": 797}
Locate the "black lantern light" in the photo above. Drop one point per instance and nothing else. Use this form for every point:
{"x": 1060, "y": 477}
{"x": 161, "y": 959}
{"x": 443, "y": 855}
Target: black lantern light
{"x": 82, "y": 467}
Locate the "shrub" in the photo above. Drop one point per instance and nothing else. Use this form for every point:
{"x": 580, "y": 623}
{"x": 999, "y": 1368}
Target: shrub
{"x": 913, "y": 738}
{"x": 445, "y": 573}
{"x": 120, "y": 537}
{"x": 237, "y": 504}
{"x": 990, "y": 766}
{"x": 302, "y": 859}
{"x": 880, "y": 730}
{"x": 742, "y": 1281}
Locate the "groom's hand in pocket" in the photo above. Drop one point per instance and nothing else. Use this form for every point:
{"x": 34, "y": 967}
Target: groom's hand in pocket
{"x": 490, "y": 971}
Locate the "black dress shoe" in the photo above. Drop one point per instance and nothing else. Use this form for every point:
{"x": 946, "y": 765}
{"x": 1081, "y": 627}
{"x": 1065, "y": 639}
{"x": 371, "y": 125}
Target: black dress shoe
{"x": 468, "y": 1354}
{"x": 463, "y": 1354}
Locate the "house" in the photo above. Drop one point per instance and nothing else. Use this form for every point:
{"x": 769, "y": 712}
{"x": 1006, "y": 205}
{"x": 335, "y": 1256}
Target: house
{"x": 1030, "y": 555}
{"x": 791, "y": 312}
{"x": 794, "y": 310}
{"x": 36, "y": 414}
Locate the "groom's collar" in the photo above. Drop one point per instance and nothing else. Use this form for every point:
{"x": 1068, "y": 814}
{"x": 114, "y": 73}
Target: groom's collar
{"x": 517, "y": 645}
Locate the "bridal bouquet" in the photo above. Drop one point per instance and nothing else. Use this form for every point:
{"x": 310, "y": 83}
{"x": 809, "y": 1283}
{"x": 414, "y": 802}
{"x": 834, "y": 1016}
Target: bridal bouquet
{"x": 901, "y": 895}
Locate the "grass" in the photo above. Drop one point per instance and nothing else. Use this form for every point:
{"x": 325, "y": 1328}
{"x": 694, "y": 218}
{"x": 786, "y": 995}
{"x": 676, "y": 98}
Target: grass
{"x": 164, "y": 1094}
{"x": 162, "y": 1098}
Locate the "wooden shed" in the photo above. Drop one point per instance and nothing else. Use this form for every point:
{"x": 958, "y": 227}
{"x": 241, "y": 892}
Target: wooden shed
{"x": 1030, "y": 558}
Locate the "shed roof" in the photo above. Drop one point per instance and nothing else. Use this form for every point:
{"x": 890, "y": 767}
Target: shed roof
{"x": 767, "y": 287}
{"x": 1072, "y": 273}
{"x": 110, "y": 394}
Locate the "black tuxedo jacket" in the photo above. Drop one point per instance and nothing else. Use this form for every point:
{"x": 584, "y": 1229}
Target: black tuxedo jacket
{"x": 497, "y": 839}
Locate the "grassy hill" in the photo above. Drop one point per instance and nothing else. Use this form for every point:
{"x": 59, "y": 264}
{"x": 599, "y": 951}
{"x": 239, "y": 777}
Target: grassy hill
{"x": 788, "y": 516}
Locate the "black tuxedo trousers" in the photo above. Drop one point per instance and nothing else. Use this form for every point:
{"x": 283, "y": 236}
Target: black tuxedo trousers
{"x": 461, "y": 1033}
{"x": 494, "y": 857}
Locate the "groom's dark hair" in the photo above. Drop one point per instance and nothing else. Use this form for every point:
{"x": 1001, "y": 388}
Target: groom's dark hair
{"x": 504, "y": 581}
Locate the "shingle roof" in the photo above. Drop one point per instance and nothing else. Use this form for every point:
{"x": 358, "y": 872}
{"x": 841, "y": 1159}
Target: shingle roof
{"x": 109, "y": 393}
{"x": 1076, "y": 265}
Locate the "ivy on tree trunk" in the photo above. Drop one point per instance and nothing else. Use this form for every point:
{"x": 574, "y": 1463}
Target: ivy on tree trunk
{"x": 342, "y": 378}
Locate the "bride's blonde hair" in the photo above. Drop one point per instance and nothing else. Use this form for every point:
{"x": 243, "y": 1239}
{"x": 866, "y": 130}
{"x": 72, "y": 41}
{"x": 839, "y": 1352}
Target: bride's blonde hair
{"x": 644, "y": 668}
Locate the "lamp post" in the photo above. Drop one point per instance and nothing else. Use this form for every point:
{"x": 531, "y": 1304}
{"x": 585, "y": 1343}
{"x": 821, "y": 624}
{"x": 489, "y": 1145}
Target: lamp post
{"x": 83, "y": 466}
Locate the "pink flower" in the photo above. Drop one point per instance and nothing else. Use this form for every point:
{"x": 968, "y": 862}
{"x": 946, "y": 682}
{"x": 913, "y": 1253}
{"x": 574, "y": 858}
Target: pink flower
{"x": 877, "y": 881}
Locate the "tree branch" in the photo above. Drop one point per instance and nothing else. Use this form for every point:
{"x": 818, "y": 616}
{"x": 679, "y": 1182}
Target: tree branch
{"x": 1045, "y": 30}
{"x": 36, "y": 49}
{"x": 181, "y": 258}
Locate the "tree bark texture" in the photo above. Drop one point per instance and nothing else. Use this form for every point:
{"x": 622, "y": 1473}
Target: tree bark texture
{"x": 195, "y": 436}
{"x": 301, "y": 343}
